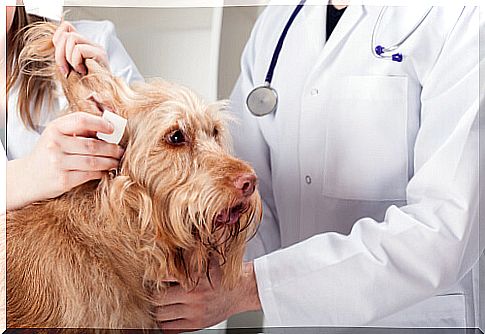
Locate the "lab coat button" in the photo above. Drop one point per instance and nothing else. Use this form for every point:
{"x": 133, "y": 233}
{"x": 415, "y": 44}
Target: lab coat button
{"x": 314, "y": 92}
{"x": 308, "y": 179}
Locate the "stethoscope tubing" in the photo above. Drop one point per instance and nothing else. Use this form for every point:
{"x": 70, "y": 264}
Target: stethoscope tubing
{"x": 263, "y": 100}
{"x": 281, "y": 40}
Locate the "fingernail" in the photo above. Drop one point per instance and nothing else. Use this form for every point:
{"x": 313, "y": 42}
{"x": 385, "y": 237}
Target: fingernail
{"x": 121, "y": 151}
{"x": 63, "y": 70}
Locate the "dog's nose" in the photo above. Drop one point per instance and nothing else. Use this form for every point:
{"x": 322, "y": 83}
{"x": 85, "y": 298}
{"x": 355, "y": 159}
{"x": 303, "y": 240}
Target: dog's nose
{"x": 246, "y": 183}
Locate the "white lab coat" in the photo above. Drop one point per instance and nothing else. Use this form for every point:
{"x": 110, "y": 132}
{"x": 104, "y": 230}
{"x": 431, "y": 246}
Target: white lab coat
{"x": 368, "y": 169}
{"x": 20, "y": 140}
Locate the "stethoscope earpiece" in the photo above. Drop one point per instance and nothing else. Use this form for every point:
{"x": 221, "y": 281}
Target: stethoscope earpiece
{"x": 397, "y": 57}
{"x": 379, "y": 51}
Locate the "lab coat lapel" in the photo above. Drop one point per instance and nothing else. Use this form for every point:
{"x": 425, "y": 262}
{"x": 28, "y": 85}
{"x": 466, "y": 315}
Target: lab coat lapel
{"x": 348, "y": 21}
{"x": 314, "y": 21}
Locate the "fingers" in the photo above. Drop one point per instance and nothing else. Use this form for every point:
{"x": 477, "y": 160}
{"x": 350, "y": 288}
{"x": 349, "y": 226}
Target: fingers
{"x": 60, "y": 56}
{"x": 90, "y": 146}
{"x": 75, "y": 179}
{"x": 173, "y": 295}
{"x": 169, "y": 312}
{"x": 71, "y": 49}
{"x": 63, "y": 28}
{"x": 59, "y": 41}
{"x": 74, "y": 40}
{"x": 88, "y": 163}
{"x": 84, "y": 51}
{"x": 66, "y": 139}
{"x": 82, "y": 124}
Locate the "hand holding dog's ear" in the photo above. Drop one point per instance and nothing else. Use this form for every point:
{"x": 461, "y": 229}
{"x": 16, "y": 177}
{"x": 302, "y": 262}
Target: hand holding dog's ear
{"x": 209, "y": 303}
{"x": 71, "y": 49}
{"x": 66, "y": 155}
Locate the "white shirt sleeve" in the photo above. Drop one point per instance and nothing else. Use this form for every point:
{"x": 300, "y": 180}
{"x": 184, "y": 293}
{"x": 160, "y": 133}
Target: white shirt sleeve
{"x": 104, "y": 33}
{"x": 120, "y": 62}
{"x": 420, "y": 249}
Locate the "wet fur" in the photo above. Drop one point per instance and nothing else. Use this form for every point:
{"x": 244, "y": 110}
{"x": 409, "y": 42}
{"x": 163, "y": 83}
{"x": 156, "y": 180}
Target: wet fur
{"x": 91, "y": 257}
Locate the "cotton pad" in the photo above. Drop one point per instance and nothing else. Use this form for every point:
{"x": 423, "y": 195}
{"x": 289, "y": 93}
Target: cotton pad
{"x": 119, "y": 125}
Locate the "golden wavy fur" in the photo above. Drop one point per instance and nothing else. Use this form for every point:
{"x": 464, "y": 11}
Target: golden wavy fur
{"x": 91, "y": 257}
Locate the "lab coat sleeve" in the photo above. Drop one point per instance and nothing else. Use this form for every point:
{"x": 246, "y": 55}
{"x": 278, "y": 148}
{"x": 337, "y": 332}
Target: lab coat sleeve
{"x": 250, "y": 145}
{"x": 420, "y": 249}
{"x": 119, "y": 60}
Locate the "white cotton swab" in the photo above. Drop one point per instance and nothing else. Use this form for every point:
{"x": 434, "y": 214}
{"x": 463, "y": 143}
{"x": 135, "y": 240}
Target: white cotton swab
{"x": 119, "y": 125}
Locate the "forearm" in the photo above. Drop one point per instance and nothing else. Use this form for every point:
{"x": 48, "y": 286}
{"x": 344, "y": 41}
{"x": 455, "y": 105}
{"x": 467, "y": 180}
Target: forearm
{"x": 248, "y": 291}
{"x": 20, "y": 190}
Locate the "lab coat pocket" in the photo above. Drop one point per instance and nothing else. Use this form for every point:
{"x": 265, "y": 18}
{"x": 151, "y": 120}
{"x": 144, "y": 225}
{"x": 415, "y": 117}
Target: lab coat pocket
{"x": 366, "y": 154}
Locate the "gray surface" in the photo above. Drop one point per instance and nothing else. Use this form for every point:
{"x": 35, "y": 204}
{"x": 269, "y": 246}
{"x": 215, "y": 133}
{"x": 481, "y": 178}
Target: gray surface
{"x": 482, "y": 172}
{"x": 3, "y": 138}
{"x": 482, "y": 290}
{"x": 246, "y": 320}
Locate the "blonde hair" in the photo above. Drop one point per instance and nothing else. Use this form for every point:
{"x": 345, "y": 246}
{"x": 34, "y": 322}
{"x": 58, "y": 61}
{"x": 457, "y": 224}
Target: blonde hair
{"x": 33, "y": 87}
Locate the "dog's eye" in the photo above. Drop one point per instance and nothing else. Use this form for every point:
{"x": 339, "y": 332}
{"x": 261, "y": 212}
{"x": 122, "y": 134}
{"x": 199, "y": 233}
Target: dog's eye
{"x": 215, "y": 132}
{"x": 176, "y": 138}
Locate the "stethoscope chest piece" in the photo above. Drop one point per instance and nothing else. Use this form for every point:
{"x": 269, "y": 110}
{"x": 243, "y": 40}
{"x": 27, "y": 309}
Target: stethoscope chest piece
{"x": 262, "y": 100}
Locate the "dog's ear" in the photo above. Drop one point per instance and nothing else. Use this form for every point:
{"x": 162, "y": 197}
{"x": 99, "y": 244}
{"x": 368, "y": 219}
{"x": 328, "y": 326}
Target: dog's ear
{"x": 37, "y": 58}
{"x": 77, "y": 90}
{"x": 98, "y": 89}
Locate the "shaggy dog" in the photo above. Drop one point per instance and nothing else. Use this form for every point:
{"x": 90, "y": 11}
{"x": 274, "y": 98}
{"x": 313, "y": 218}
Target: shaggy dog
{"x": 93, "y": 256}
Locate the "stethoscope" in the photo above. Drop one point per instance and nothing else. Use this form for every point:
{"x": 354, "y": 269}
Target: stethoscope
{"x": 263, "y": 100}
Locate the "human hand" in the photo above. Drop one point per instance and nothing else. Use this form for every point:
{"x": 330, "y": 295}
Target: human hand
{"x": 66, "y": 155}
{"x": 177, "y": 310}
{"x": 71, "y": 49}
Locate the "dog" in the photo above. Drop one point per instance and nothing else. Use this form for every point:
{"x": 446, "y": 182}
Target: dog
{"x": 92, "y": 257}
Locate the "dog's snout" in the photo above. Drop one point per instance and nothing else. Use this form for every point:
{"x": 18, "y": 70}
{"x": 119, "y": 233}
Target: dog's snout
{"x": 246, "y": 183}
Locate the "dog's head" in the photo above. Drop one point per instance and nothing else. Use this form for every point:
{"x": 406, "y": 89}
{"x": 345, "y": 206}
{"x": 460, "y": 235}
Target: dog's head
{"x": 178, "y": 190}
{"x": 178, "y": 186}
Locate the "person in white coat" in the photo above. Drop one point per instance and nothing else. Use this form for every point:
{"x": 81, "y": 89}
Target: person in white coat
{"x": 368, "y": 170}
{"x": 45, "y": 160}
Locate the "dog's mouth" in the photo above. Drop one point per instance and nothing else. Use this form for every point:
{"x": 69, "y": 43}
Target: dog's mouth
{"x": 231, "y": 216}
